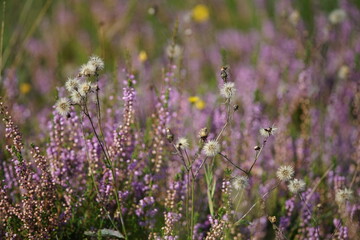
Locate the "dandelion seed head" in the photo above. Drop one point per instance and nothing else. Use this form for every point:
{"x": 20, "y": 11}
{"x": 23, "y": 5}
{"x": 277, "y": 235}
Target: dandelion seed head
{"x": 173, "y": 51}
{"x": 294, "y": 18}
{"x": 296, "y": 186}
{"x": 337, "y": 16}
{"x": 182, "y": 143}
{"x": 72, "y": 84}
{"x": 228, "y": 90}
{"x": 211, "y": 148}
{"x": 343, "y": 72}
{"x": 62, "y": 106}
{"x": 285, "y": 173}
{"x": 84, "y": 88}
{"x": 240, "y": 183}
{"x": 343, "y": 195}
{"x": 266, "y": 132}
{"x": 97, "y": 62}
{"x": 87, "y": 70}
{"x": 75, "y": 97}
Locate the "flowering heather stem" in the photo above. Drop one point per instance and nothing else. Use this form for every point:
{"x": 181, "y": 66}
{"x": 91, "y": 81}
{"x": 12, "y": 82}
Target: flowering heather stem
{"x": 309, "y": 212}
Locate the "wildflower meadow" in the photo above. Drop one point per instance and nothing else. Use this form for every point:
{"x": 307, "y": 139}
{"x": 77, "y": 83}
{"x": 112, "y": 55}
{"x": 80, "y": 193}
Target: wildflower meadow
{"x": 179, "y": 119}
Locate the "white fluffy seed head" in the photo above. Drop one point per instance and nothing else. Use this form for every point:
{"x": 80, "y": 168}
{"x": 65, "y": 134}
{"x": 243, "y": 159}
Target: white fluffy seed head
{"x": 97, "y": 62}
{"x": 75, "y": 97}
{"x": 337, "y": 16}
{"x": 296, "y": 186}
{"x": 211, "y": 148}
{"x": 72, "y": 84}
{"x": 62, "y": 106}
{"x": 343, "y": 195}
{"x": 87, "y": 70}
{"x": 240, "y": 183}
{"x": 285, "y": 173}
{"x": 228, "y": 90}
{"x": 267, "y": 132}
{"x": 173, "y": 51}
{"x": 84, "y": 88}
{"x": 182, "y": 143}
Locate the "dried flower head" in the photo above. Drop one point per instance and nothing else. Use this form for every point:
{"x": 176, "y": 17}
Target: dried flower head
{"x": 266, "y": 132}
{"x": 75, "y": 97}
{"x": 343, "y": 195}
{"x": 203, "y": 133}
{"x": 174, "y": 51}
{"x": 228, "y": 90}
{"x": 211, "y": 148}
{"x": 294, "y": 17}
{"x": 343, "y": 72}
{"x": 62, "y": 106}
{"x": 87, "y": 70}
{"x": 337, "y": 16}
{"x": 182, "y": 143}
{"x": 72, "y": 84}
{"x": 296, "y": 186}
{"x": 240, "y": 183}
{"x": 84, "y": 88}
{"x": 285, "y": 173}
{"x": 97, "y": 62}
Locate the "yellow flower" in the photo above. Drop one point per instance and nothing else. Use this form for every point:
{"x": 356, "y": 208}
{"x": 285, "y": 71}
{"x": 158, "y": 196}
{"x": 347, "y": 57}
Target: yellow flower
{"x": 193, "y": 99}
{"x": 200, "y": 13}
{"x": 142, "y": 56}
{"x": 25, "y": 88}
{"x": 200, "y": 104}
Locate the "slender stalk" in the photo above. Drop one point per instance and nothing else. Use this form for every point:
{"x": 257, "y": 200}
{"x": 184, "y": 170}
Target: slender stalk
{"x": 202, "y": 163}
{"x": 257, "y": 202}
{"x": 109, "y": 163}
{"x": 93, "y": 177}
{"x": 224, "y": 156}
{"x": 192, "y": 207}
{"x": 258, "y": 154}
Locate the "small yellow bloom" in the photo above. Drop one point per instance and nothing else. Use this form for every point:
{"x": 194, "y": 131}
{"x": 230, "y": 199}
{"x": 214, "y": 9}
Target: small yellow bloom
{"x": 143, "y": 56}
{"x": 25, "y": 88}
{"x": 200, "y": 104}
{"x": 200, "y": 13}
{"x": 193, "y": 99}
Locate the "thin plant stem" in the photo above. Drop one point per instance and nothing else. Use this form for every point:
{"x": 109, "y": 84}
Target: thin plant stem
{"x": 257, "y": 154}
{"x": 192, "y": 207}
{"x": 92, "y": 175}
{"x": 224, "y": 156}
{"x": 257, "y": 202}
{"x": 202, "y": 163}
{"x": 109, "y": 163}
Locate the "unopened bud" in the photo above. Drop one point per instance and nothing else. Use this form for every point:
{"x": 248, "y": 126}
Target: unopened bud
{"x": 203, "y": 133}
{"x": 272, "y": 219}
{"x": 169, "y": 135}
